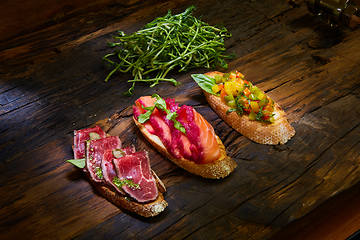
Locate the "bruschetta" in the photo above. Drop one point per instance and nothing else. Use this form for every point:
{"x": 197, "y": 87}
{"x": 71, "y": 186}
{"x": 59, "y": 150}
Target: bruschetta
{"x": 121, "y": 175}
{"x": 245, "y": 107}
{"x": 183, "y": 136}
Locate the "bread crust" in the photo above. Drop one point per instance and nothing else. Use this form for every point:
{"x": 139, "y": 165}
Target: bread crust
{"x": 149, "y": 209}
{"x": 220, "y": 168}
{"x": 278, "y": 132}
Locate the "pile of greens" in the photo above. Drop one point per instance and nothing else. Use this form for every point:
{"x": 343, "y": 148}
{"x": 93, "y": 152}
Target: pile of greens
{"x": 178, "y": 42}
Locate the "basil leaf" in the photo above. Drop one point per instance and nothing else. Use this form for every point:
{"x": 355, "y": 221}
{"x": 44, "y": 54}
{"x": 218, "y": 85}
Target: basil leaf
{"x": 205, "y": 83}
{"x": 80, "y": 163}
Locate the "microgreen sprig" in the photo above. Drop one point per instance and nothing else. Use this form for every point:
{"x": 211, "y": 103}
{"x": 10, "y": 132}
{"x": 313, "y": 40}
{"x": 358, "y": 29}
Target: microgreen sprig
{"x": 172, "y": 42}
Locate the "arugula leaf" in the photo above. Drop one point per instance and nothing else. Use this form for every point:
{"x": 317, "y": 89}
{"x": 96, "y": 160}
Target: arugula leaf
{"x": 80, "y": 163}
{"x": 128, "y": 182}
{"x": 160, "y": 102}
{"x": 205, "y": 82}
{"x": 179, "y": 126}
{"x": 172, "y": 116}
{"x": 148, "y": 108}
{"x": 161, "y": 105}
{"x": 145, "y": 116}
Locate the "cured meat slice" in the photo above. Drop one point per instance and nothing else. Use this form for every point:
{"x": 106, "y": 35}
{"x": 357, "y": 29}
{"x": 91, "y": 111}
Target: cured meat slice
{"x": 108, "y": 168}
{"x": 95, "y": 150}
{"x": 136, "y": 168}
{"x": 81, "y": 136}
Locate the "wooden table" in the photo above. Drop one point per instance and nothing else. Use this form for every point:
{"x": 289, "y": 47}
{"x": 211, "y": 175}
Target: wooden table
{"x": 51, "y": 82}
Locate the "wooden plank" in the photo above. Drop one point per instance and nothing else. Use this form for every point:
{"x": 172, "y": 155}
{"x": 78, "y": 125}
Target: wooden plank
{"x": 273, "y": 185}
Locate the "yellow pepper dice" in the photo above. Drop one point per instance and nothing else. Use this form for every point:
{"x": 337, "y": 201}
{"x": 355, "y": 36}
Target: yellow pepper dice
{"x": 254, "y": 106}
{"x": 215, "y": 88}
{"x": 252, "y": 116}
{"x": 228, "y": 86}
{"x": 233, "y": 88}
{"x": 238, "y": 87}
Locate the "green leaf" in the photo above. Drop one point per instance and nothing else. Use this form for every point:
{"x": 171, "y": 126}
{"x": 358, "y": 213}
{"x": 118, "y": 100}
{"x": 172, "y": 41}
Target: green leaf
{"x": 205, "y": 82}
{"x": 231, "y": 110}
{"x": 80, "y": 163}
{"x": 117, "y": 153}
{"x": 151, "y": 108}
{"x": 160, "y": 102}
{"x": 172, "y": 116}
{"x": 179, "y": 126}
{"x": 94, "y": 136}
{"x": 145, "y": 116}
{"x": 98, "y": 172}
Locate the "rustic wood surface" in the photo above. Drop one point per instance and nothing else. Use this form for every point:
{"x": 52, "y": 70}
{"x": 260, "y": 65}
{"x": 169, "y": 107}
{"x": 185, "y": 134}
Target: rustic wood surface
{"x": 51, "y": 82}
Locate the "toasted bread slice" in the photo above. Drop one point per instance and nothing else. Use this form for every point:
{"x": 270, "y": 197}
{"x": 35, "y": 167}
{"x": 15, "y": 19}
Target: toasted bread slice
{"x": 220, "y": 168}
{"x": 149, "y": 209}
{"x": 274, "y": 133}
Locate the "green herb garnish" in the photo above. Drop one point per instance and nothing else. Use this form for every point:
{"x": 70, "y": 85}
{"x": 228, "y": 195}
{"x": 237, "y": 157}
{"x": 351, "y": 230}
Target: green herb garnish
{"x": 98, "y": 172}
{"x": 239, "y": 106}
{"x": 172, "y": 42}
{"x": 80, "y": 163}
{"x": 145, "y": 116}
{"x": 205, "y": 82}
{"x": 117, "y": 153}
{"x": 231, "y": 110}
{"x": 128, "y": 182}
{"x": 161, "y": 104}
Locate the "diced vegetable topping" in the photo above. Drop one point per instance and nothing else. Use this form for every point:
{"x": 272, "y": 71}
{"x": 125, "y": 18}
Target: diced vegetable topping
{"x": 241, "y": 95}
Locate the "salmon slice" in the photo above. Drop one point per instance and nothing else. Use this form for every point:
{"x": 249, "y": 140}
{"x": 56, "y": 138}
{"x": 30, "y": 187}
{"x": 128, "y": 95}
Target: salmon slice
{"x": 199, "y": 144}
{"x": 210, "y": 147}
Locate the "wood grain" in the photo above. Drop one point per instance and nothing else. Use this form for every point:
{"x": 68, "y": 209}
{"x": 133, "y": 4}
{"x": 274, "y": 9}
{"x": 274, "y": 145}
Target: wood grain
{"x": 51, "y": 82}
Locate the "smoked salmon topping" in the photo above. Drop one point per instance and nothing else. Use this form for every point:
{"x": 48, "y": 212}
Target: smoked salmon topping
{"x": 182, "y": 130}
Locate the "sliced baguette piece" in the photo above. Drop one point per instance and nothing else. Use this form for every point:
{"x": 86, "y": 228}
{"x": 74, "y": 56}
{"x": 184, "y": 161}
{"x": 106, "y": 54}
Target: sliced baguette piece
{"x": 278, "y": 132}
{"x": 215, "y": 170}
{"x": 149, "y": 209}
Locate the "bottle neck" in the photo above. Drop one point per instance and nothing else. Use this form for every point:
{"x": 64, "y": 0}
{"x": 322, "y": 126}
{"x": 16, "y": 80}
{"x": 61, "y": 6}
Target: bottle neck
{"x": 337, "y": 12}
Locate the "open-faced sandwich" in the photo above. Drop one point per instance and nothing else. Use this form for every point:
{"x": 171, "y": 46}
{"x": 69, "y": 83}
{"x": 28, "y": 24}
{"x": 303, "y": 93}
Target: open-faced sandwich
{"x": 121, "y": 175}
{"x": 245, "y": 107}
{"x": 182, "y": 135}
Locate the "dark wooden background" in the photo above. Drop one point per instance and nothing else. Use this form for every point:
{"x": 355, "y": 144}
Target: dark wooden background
{"x": 51, "y": 82}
